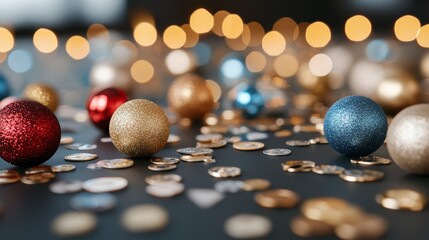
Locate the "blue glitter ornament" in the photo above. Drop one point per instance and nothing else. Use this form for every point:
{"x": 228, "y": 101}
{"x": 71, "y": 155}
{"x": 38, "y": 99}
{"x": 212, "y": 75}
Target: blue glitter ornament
{"x": 355, "y": 126}
{"x": 250, "y": 101}
{"x": 4, "y": 87}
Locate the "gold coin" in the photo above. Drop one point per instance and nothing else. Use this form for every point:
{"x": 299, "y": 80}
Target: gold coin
{"x": 357, "y": 175}
{"x": 213, "y": 144}
{"x": 224, "y": 172}
{"x": 117, "y": 163}
{"x": 66, "y": 140}
{"x": 165, "y": 160}
{"x": 402, "y": 199}
{"x": 328, "y": 169}
{"x": 277, "y": 198}
{"x": 161, "y": 168}
{"x": 9, "y": 173}
{"x": 283, "y": 133}
{"x": 214, "y": 129}
{"x": 198, "y": 158}
{"x": 162, "y": 179}
{"x": 298, "y": 165}
{"x": 367, "y": 226}
{"x": 371, "y": 160}
{"x": 63, "y": 168}
{"x": 248, "y": 146}
{"x": 38, "y": 178}
{"x": 255, "y": 184}
{"x": 305, "y": 227}
{"x": 38, "y": 169}
{"x": 9, "y": 176}
{"x": 329, "y": 210}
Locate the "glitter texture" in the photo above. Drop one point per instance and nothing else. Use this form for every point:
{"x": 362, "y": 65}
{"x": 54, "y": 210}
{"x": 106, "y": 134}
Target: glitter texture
{"x": 189, "y": 97}
{"x": 355, "y": 126}
{"x": 408, "y": 139}
{"x": 30, "y": 133}
{"x": 139, "y": 128}
{"x": 43, "y": 94}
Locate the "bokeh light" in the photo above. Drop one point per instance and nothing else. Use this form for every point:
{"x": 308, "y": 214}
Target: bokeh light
{"x": 45, "y": 40}
{"x": 77, "y": 47}
{"x": 201, "y": 21}
{"x": 320, "y": 65}
{"x": 318, "y": 34}
{"x": 98, "y": 31}
{"x": 174, "y": 37}
{"x": 358, "y": 28}
{"x": 145, "y": 34}
{"x": 273, "y": 43}
{"x": 256, "y": 61}
{"x": 179, "y": 61}
{"x": 218, "y": 20}
{"x": 423, "y": 36}
{"x": 3, "y": 57}
{"x": 232, "y": 26}
{"x": 124, "y": 52}
{"x": 406, "y": 28}
{"x": 215, "y": 89}
{"x": 20, "y": 60}
{"x": 191, "y": 36}
{"x": 202, "y": 52}
{"x": 257, "y": 32}
{"x": 142, "y": 71}
{"x": 286, "y": 26}
{"x": 286, "y": 65}
{"x": 378, "y": 50}
{"x": 232, "y": 68}
{"x": 6, "y": 40}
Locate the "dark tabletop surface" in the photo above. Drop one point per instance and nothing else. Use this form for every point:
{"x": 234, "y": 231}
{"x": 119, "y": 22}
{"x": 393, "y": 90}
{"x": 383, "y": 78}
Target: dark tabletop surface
{"x": 30, "y": 209}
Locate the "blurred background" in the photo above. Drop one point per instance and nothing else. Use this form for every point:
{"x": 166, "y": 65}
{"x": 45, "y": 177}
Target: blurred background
{"x": 298, "y": 55}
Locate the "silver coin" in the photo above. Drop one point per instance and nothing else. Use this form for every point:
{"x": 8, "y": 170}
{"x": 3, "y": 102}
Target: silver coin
{"x": 117, "y": 163}
{"x": 165, "y": 160}
{"x": 105, "y": 184}
{"x": 371, "y": 160}
{"x": 74, "y": 224}
{"x": 298, "y": 143}
{"x": 248, "y": 226}
{"x": 81, "y": 146}
{"x": 165, "y": 190}
{"x": 224, "y": 172}
{"x": 328, "y": 169}
{"x": 162, "y": 179}
{"x": 277, "y": 152}
{"x": 228, "y": 186}
{"x": 93, "y": 202}
{"x": 161, "y": 168}
{"x": 106, "y": 140}
{"x": 209, "y": 137}
{"x": 66, "y": 140}
{"x": 201, "y": 158}
{"x": 63, "y": 168}
{"x": 195, "y": 151}
{"x": 210, "y": 160}
{"x": 358, "y": 175}
{"x": 81, "y": 157}
{"x": 66, "y": 186}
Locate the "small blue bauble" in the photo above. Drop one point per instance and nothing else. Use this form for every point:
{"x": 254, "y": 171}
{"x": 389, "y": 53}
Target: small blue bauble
{"x": 4, "y": 87}
{"x": 355, "y": 126}
{"x": 250, "y": 101}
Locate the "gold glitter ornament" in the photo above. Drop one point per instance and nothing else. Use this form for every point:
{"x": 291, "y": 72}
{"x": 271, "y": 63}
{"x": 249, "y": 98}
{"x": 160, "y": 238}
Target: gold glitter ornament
{"x": 42, "y": 93}
{"x": 190, "y": 97}
{"x": 139, "y": 128}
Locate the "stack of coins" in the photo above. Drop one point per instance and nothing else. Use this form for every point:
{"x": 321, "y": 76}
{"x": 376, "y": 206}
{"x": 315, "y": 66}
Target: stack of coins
{"x": 38, "y": 174}
{"x": 161, "y": 164}
{"x": 196, "y": 154}
{"x": 277, "y": 198}
{"x": 402, "y": 199}
{"x": 322, "y": 217}
{"x": 9, "y": 176}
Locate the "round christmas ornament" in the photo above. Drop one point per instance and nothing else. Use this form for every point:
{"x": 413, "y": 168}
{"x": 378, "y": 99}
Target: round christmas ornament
{"x": 408, "y": 139}
{"x": 4, "y": 87}
{"x": 30, "y": 133}
{"x": 190, "y": 97}
{"x": 355, "y": 126}
{"x": 102, "y": 104}
{"x": 139, "y": 128}
{"x": 42, "y": 93}
{"x": 250, "y": 101}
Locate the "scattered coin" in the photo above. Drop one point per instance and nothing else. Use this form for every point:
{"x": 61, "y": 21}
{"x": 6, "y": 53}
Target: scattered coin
{"x": 117, "y": 163}
{"x": 165, "y": 160}
{"x": 357, "y": 175}
{"x": 228, "y": 186}
{"x": 328, "y": 169}
{"x": 173, "y": 139}
{"x": 195, "y": 151}
{"x": 277, "y": 198}
{"x": 163, "y": 178}
{"x": 38, "y": 178}
{"x": 38, "y": 169}
{"x": 207, "y": 138}
{"x": 224, "y": 172}
{"x": 304, "y": 227}
{"x": 105, "y": 184}
{"x": 277, "y": 152}
{"x": 72, "y": 224}
{"x": 81, "y": 146}
{"x": 201, "y": 158}
{"x": 145, "y": 218}
{"x": 255, "y": 184}
{"x": 255, "y": 136}
{"x": 248, "y": 226}
{"x": 106, "y": 140}
{"x": 298, "y": 165}
{"x": 248, "y": 146}
{"x": 93, "y": 202}
{"x": 402, "y": 199}
{"x": 213, "y": 144}
{"x": 298, "y": 143}
{"x": 233, "y": 139}
{"x": 368, "y": 226}
{"x": 283, "y": 133}
{"x": 371, "y": 160}
{"x": 161, "y": 168}
{"x": 9, "y": 176}
{"x": 81, "y": 157}
{"x": 165, "y": 190}
{"x": 214, "y": 129}
{"x": 66, "y": 186}
{"x": 66, "y": 140}
{"x": 209, "y": 160}
{"x": 318, "y": 140}
{"x": 63, "y": 168}
{"x": 204, "y": 198}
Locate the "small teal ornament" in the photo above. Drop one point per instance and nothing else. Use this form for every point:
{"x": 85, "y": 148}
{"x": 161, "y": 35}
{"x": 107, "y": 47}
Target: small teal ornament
{"x": 4, "y": 88}
{"x": 250, "y": 101}
{"x": 355, "y": 126}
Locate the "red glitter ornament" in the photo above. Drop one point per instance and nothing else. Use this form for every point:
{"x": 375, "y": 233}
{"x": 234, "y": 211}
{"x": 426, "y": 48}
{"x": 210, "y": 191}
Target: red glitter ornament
{"x": 30, "y": 133}
{"x": 102, "y": 104}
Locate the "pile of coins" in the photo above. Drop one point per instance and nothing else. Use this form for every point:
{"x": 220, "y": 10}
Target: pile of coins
{"x": 305, "y": 143}
{"x": 325, "y": 216}
{"x": 34, "y": 175}
{"x": 196, "y": 154}
{"x": 350, "y": 175}
{"x": 402, "y": 199}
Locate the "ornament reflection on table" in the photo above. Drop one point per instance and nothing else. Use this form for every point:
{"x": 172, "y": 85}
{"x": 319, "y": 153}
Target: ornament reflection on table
{"x": 250, "y": 101}
{"x": 42, "y": 93}
{"x": 355, "y": 126}
{"x": 139, "y": 128}
{"x": 408, "y": 139}
{"x": 4, "y": 87}
{"x": 102, "y": 104}
{"x": 190, "y": 97}
{"x": 30, "y": 133}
